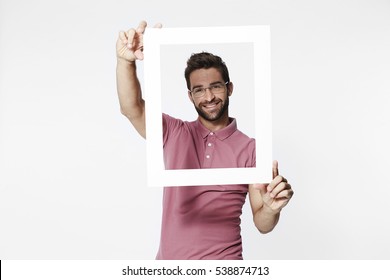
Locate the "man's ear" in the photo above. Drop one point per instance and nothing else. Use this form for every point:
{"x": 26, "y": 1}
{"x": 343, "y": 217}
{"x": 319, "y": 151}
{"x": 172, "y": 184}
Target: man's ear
{"x": 190, "y": 97}
{"x": 230, "y": 88}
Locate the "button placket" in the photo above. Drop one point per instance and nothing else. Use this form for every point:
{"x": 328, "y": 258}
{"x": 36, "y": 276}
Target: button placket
{"x": 209, "y": 149}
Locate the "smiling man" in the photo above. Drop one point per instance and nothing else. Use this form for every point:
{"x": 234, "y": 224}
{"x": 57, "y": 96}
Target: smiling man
{"x": 201, "y": 222}
{"x": 207, "y": 100}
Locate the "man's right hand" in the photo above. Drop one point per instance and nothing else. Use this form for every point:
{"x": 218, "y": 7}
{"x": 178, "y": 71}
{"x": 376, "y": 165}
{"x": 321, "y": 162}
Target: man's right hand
{"x": 129, "y": 45}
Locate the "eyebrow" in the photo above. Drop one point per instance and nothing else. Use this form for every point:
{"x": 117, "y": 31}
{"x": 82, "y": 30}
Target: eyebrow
{"x": 211, "y": 84}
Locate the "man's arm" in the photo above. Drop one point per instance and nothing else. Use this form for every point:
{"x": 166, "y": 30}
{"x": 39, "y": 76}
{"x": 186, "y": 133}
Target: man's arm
{"x": 131, "y": 102}
{"x": 268, "y": 200}
{"x": 129, "y": 48}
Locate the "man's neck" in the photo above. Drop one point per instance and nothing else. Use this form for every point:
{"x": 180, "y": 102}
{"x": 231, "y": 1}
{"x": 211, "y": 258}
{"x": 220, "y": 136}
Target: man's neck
{"x": 215, "y": 125}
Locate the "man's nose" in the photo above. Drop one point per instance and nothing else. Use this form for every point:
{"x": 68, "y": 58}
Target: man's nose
{"x": 208, "y": 95}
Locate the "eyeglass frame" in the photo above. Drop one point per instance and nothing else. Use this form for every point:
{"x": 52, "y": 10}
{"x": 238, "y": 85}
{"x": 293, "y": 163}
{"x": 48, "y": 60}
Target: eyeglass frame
{"x": 204, "y": 89}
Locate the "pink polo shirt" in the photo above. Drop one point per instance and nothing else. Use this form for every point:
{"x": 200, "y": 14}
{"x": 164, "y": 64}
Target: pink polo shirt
{"x": 203, "y": 222}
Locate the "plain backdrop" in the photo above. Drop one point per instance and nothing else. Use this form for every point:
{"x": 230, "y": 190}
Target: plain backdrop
{"x": 72, "y": 169}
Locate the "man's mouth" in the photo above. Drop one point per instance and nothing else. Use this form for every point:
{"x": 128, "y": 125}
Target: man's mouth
{"x": 211, "y": 105}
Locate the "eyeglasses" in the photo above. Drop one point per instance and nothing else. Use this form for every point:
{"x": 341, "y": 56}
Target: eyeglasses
{"x": 214, "y": 89}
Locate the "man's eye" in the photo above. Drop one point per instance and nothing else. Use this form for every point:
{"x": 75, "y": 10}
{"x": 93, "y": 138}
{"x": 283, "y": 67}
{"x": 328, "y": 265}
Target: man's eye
{"x": 197, "y": 90}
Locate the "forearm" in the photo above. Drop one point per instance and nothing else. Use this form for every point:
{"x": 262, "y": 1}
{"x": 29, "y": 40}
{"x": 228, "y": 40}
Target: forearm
{"x": 266, "y": 219}
{"x": 129, "y": 89}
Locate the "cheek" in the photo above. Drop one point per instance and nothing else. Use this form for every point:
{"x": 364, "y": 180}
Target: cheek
{"x": 226, "y": 98}
{"x": 195, "y": 102}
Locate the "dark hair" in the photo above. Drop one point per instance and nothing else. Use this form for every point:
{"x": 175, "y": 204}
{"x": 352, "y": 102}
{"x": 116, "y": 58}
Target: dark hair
{"x": 205, "y": 60}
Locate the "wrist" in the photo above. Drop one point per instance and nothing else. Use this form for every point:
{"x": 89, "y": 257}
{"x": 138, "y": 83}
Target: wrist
{"x": 125, "y": 62}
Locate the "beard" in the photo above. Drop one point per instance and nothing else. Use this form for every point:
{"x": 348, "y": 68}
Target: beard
{"x": 213, "y": 116}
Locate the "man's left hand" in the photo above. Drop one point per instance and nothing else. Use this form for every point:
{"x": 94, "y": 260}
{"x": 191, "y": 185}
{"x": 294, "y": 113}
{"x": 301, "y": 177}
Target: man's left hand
{"x": 276, "y": 194}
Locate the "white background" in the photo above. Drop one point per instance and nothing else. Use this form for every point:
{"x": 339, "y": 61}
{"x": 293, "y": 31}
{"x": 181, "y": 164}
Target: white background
{"x": 72, "y": 169}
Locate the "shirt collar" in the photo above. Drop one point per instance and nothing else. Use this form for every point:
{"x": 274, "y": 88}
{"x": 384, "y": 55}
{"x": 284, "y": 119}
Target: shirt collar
{"x": 221, "y": 134}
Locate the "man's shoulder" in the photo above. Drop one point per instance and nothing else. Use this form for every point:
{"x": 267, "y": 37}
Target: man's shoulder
{"x": 244, "y": 136}
{"x": 168, "y": 119}
{"x": 176, "y": 125}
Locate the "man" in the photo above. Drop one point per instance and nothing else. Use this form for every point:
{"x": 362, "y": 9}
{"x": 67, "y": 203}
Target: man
{"x": 201, "y": 222}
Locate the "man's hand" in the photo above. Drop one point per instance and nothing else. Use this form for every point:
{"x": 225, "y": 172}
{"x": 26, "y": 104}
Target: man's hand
{"x": 276, "y": 194}
{"x": 129, "y": 45}
{"x": 129, "y": 48}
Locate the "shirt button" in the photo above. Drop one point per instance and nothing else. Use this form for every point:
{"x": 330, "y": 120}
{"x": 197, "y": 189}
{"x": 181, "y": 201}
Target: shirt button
{"x": 209, "y": 144}
{"x": 207, "y": 156}
{"x": 211, "y": 133}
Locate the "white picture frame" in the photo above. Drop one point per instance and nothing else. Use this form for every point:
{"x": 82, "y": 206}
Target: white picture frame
{"x": 227, "y": 38}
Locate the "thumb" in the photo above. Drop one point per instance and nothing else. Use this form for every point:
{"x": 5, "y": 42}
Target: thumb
{"x": 262, "y": 188}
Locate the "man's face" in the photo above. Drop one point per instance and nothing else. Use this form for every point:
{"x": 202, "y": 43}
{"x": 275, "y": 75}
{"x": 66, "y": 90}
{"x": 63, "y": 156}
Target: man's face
{"x": 210, "y": 106}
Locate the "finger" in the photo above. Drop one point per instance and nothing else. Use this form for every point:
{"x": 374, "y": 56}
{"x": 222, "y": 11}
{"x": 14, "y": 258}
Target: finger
{"x": 123, "y": 37}
{"x": 275, "y": 170}
{"x": 280, "y": 188}
{"x": 141, "y": 27}
{"x": 139, "y": 53}
{"x": 281, "y": 203}
{"x": 276, "y": 181}
{"x": 130, "y": 37}
{"x": 286, "y": 194}
{"x": 158, "y": 25}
